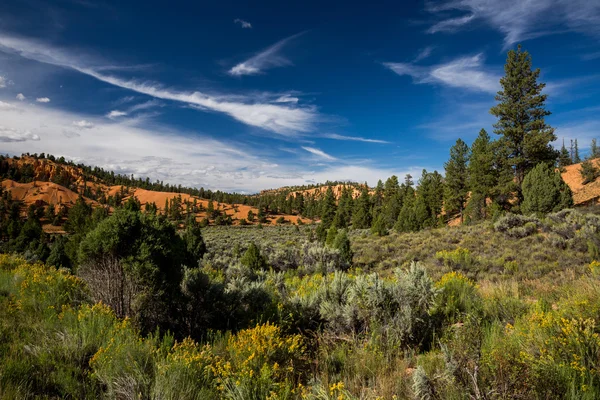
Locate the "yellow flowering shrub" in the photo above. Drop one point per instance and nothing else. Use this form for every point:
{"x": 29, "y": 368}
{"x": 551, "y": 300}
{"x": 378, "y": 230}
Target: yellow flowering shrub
{"x": 457, "y": 295}
{"x": 261, "y": 360}
{"x": 555, "y": 343}
{"x": 39, "y": 288}
{"x": 459, "y": 257}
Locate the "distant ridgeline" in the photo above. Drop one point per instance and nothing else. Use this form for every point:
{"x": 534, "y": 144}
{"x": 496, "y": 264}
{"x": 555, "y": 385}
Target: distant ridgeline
{"x": 95, "y": 183}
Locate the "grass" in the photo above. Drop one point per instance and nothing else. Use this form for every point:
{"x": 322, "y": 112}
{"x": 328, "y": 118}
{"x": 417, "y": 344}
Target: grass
{"x": 488, "y": 311}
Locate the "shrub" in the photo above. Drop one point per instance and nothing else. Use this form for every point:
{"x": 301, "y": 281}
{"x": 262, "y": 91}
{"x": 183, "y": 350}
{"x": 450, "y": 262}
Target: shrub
{"x": 510, "y": 221}
{"x": 457, "y": 296}
{"x": 458, "y": 258}
{"x": 253, "y": 259}
{"x": 589, "y": 172}
{"x": 544, "y": 191}
{"x": 261, "y": 363}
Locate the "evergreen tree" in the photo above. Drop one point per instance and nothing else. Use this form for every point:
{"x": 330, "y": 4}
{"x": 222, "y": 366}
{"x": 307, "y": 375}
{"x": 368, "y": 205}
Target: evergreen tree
{"x": 521, "y": 112}
{"x": 378, "y": 195}
{"x": 594, "y": 150}
{"x": 194, "y": 241}
{"x": 379, "y": 227}
{"x": 331, "y": 235}
{"x": 392, "y": 202}
{"x": 564, "y": 158}
{"x": 406, "y": 219}
{"x": 589, "y": 171}
{"x": 328, "y": 208}
{"x": 253, "y": 259}
{"x": 482, "y": 177}
{"x": 342, "y": 243}
{"x": 576, "y": 157}
{"x": 544, "y": 191}
{"x": 456, "y": 187}
{"x": 430, "y": 199}
{"x": 361, "y": 217}
{"x": 343, "y": 216}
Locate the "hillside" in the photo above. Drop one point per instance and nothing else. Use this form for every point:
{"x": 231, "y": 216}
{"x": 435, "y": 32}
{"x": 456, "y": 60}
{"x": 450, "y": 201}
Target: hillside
{"x": 61, "y": 185}
{"x": 582, "y": 194}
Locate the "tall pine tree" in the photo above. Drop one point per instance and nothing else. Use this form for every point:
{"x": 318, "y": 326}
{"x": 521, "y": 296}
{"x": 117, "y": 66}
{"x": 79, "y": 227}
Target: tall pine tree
{"x": 361, "y": 217}
{"x": 456, "y": 187}
{"x": 521, "y": 116}
{"x": 482, "y": 176}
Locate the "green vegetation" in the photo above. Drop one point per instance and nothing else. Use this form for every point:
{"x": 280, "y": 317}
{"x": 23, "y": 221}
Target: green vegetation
{"x": 380, "y": 300}
{"x": 268, "y": 313}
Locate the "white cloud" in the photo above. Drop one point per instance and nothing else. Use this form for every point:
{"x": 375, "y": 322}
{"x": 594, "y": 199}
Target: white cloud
{"x": 21, "y": 97}
{"x": 423, "y": 53}
{"x": 450, "y": 25}
{"x": 523, "y": 19}
{"x": 466, "y": 72}
{"x": 15, "y": 135}
{"x": 243, "y": 24}
{"x": 83, "y": 124}
{"x": 286, "y": 98}
{"x": 282, "y": 118}
{"x": 319, "y": 153}
{"x": 6, "y": 106}
{"x": 187, "y": 158}
{"x": 43, "y": 100}
{"x": 2, "y": 82}
{"x": 116, "y": 114}
{"x": 335, "y": 136}
{"x": 266, "y": 59}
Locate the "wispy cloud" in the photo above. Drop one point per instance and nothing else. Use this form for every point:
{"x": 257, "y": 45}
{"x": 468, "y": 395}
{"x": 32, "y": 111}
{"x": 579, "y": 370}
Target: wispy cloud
{"x": 266, "y": 59}
{"x": 465, "y": 72}
{"x": 319, "y": 153}
{"x": 521, "y": 20}
{"x": 83, "y": 124}
{"x": 173, "y": 156}
{"x": 43, "y": 100}
{"x": 423, "y": 53}
{"x": 287, "y": 99}
{"x": 335, "y": 136}
{"x": 21, "y": 97}
{"x": 451, "y": 25}
{"x": 242, "y": 23}
{"x": 2, "y": 82}
{"x": 116, "y": 114}
{"x": 282, "y": 118}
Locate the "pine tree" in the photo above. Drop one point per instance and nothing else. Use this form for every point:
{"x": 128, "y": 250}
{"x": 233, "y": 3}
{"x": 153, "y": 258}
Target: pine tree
{"x": 328, "y": 208}
{"x": 343, "y": 216}
{"x": 521, "y": 112}
{"x": 331, "y": 235}
{"x": 544, "y": 191}
{"x": 482, "y": 177}
{"x": 589, "y": 171}
{"x": 361, "y": 217}
{"x": 342, "y": 243}
{"x": 594, "y": 151}
{"x": 564, "y": 157}
{"x": 456, "y": 187}
{"x": 379, "y": 227}
{"x": 253, "y": 259}
{"x": 406, "y": 219}
{"x": 430, "y": 198}
{"x": 392, "y": 202}
{"x": 576, "y": 157}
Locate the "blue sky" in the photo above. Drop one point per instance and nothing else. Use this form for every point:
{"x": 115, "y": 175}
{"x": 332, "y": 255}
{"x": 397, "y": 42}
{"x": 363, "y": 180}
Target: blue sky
{"x": 247, "y": 96}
